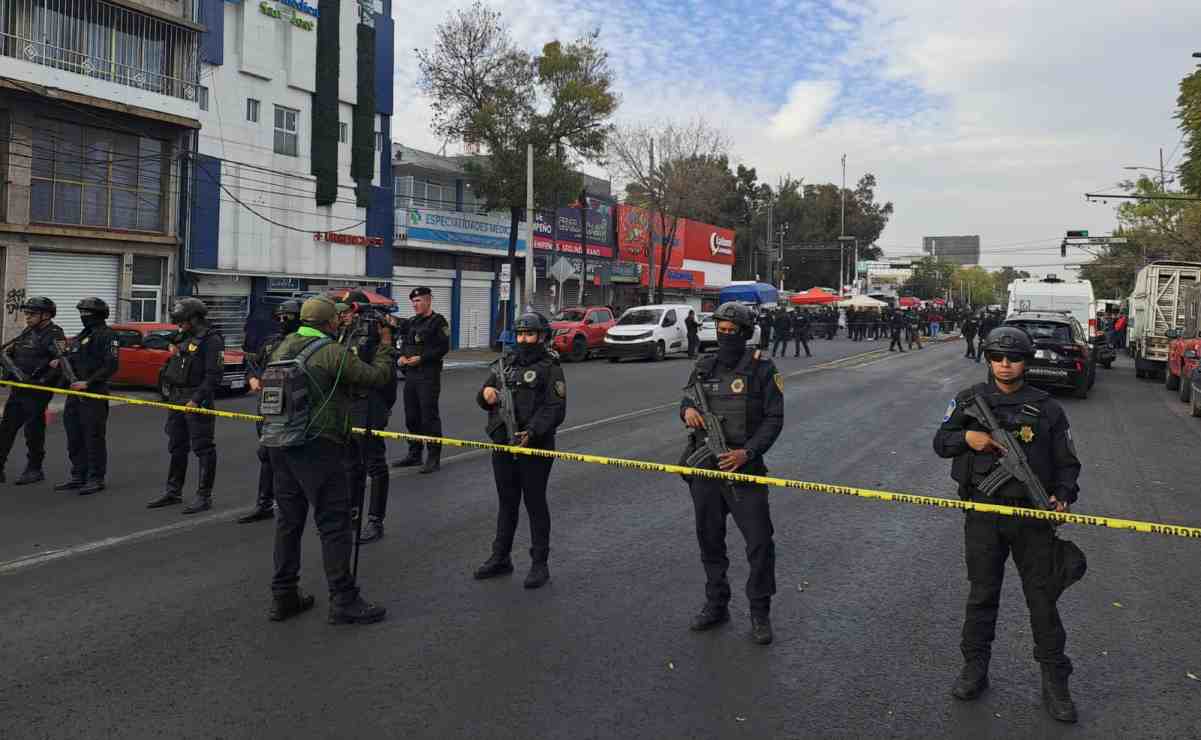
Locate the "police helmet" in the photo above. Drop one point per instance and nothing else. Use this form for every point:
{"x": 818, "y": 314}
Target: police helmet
{"x": 738, "y": 314}
{"x": 188, "y": 309}
{"x": 93, "y": 305}
{"x": 532, "y": 321}
{"x": 288, "y": 307}
{"x": 1009, "y": 339}
{"x": 40, "y": 304}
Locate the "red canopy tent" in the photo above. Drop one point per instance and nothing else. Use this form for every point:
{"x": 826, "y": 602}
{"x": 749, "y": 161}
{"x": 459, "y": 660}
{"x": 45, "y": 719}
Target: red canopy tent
{"x": 373, "y": 298}
{"x": 812, "y": 297}
{"x": 939, "y": 302}
{"x": 908, "y": 301}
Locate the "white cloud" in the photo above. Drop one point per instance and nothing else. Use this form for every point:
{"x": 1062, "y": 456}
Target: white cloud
{"x": 808, "y": 103}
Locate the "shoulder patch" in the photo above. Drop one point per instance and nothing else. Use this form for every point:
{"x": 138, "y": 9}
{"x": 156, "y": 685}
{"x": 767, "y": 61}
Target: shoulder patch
{"x": 561, "y": 388}
{"x": 950, "y": 410}
{"x": 779, "y": 379}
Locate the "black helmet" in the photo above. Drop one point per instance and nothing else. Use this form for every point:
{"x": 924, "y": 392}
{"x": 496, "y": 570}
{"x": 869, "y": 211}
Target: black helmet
{"x": 93, "y": 305}
{"x": 738, "y": 314}
{"x": 1009, "y": 339}
{"x": 41, "y": 304}
{"x": 532, "y": 321}
{"x": 187, "y": 309}
{"x": 290, "y": 306}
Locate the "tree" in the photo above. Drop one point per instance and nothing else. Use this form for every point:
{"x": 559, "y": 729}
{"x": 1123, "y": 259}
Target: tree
{"x": 931, "y": 278}
{"x": 974, "y": 286}
{"x": 1188, "y": 113}
{"x": 1001, "y": 280}
{"x": 671, "y": 170}
{"x": 488, "y": 92}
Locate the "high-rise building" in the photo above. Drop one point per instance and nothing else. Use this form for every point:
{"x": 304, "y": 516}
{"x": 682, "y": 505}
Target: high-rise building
{"x": 960, "y": 250}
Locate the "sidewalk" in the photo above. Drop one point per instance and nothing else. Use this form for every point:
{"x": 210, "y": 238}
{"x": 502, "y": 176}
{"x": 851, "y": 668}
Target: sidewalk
{"x": 467, "y": 358}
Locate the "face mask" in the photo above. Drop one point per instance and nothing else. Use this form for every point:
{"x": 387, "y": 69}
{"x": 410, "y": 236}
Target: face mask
{"x": 528, "y": 351}
{"x": 730, "y": 348}
{"x": 90, "y": 320}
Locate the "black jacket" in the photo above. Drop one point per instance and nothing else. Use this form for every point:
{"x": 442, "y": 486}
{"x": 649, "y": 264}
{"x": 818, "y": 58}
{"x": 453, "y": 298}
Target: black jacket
{"x": 1036, "y": 419}
{"x": 34, "y": 350}
{"x": 765, "y": 406}
{"x": 93, "y": 354}
{"x": 427, "y": 337}
{"x": 197, "y": 364}
{"x": 539, "y": 398}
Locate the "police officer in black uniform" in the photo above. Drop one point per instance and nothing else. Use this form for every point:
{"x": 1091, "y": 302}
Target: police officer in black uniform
{"x": 539, "y": 389}
{"x": 192, "y": 375}
{"x": 745, "y": 391}
{"x": 1039, "y": 422}
{"x": 93, "y": 355}
{"x": 425, "y": 341}
{"x": 287, "y": 318}
{"x": 801, "y": 333}
{"x": 987, "y": 324}
{"x": 969, "y": 335}
{"x": 897, "y": 323}
{"x": 371, "y": 408}
{"x": 32, "y": 353}
{"x": 782, "y": 331}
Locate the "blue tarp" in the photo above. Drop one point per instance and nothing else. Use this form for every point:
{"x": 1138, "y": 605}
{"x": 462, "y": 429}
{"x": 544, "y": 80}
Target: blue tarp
{"x": 749, "y": 293}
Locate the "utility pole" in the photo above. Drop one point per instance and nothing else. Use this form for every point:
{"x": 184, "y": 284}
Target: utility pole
{"x": 842, "y": 228}
{"x": 771, "y": 227}
{"x": 650, "y": 236}
{"x": 584, "y": 242}
{"x": 530, "y": 280}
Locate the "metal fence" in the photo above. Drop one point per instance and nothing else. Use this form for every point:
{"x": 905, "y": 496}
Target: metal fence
{"x": 103, "y": 41}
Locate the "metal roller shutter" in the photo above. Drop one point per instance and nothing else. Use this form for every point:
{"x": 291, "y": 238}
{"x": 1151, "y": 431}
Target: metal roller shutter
{"x": 66, "y": 277}
{"x": 440, "y": 293}
{"x": 227, "y": 314}
{"x": 475, "y": 314}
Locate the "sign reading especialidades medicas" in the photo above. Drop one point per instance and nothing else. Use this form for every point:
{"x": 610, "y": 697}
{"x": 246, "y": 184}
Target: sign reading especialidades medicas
{"x": 453, "y": 227}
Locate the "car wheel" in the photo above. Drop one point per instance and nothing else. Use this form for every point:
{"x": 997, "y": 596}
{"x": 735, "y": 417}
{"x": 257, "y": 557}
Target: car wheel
{"x": 1170, "y": 381}
{"x": 660, "y": 352}
{"x": 614, "y": 359}
{"x": 1108, "y": 364}
{"x": 1195, "y": 404}
{"x": 579, "y": 350}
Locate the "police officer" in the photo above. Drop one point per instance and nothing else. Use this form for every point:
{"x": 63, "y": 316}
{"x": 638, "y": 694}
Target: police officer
{"x": 782, "y": 331}
{"x": 425, "y": 341}
{"x": 1040, "y": 424}
{"x": 371, "y": 408}
{"x": 969, "y": 335}
{"x": 92, "y": 355}
{"x": 987, "y": 324}
{"x": 897, "y": 323}
{"x": 310, "y": 471}
{"x": 745, "y": 391}
{"x": 533, "y": 374}
{"x": 192, "y": 375}
{"x": 31, "y": 353}
{"x": 765, "y": 326}
{"x": 287, "y": 319}
{"x": 801, "y": 332}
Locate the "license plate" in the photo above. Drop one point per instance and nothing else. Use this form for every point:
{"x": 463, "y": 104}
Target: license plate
{"x": 1045, "y": 354}
{"x": 1049, "y": 372}
{"x": 239, "y": 383}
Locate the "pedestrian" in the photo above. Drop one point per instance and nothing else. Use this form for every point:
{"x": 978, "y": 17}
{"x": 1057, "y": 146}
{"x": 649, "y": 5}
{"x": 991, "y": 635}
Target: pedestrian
{"x": 969, "y": 335}
{"x": 1119, "y": 327}
{"x": 693, "y": 333}
{"x": 92, "y": 355}
{"x": 539, "y": 392}
{"x": 425, "y": 341}
{"x": 287, "y": 321}
{"x": 935, "y": 325}
{"x": 897, "y": 324}
{"x": 370, "y": 408}
{"x": 913, "y": 330}
{"x": 30, "y": 354}
{"x": 191, "y": 375}
{"x": 1041, "y": 425}
{"x": 987, "y": 324}
{"x": 800, "y": 333}
{"x": 765, "y": 329}
{"x": 743, "y": 390}
{"x": 307, "y": 439}
{"x": 782, "y": 331}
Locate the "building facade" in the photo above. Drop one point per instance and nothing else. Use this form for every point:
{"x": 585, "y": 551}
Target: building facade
{"x": 959, "y": 250}
{"x": 99, "y": 106}
{"x": 292, "y": 188}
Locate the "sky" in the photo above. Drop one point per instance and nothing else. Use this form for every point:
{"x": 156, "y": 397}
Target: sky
{"x": 976, "y": 118}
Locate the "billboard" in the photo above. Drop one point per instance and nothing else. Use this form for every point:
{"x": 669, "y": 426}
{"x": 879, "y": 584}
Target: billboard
{"x": 707, "y": 243}
{"x": 454, "y": 227}
{"x": 958, "y": 250}
{"x": 633, "y": 227}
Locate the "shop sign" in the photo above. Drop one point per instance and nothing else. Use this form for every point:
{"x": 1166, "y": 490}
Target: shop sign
{"x": 283, "y": 285}
{"x": 594, "y": 250}
{"x": 288, "y": 14}
{"x": 357, "y": 240}
{"x": 708, "y": 243}
{"x": 625, "y": 272}
{"x": 455, "y": 227}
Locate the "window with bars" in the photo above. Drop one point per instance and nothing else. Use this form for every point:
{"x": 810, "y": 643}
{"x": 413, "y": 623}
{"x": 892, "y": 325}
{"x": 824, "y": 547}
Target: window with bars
{"x": 286, "y": 132}
{"x": 87, "y": 176}
{"x": 412, "y": 192}
{"x": 252, "y": 110}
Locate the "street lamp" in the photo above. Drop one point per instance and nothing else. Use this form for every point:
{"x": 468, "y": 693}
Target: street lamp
{"x": 842, "y": 262}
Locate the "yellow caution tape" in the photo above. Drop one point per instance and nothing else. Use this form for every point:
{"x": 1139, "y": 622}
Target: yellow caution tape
{"x": 1170, "y": 530}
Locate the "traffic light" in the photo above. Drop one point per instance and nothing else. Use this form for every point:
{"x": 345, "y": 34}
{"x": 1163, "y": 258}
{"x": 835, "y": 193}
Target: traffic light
{"x": 1081, "y": 234}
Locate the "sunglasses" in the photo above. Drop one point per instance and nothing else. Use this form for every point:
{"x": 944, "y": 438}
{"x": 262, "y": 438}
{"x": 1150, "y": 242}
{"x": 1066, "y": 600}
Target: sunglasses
{"x": 1013, "y": 357}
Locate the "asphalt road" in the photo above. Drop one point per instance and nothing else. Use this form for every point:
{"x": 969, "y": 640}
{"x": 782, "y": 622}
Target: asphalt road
{"x": 134, "y": 629}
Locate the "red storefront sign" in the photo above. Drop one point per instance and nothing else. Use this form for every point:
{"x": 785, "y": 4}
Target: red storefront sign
{"x": 707, "y": 243}
{"x": 594, "y": 250}
{"x": 358, "y": 240}
{"x": 633, "y": 225}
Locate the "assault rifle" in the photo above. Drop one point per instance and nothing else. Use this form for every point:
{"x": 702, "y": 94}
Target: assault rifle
{"x": 506, "y": 406}
{"x": 10, "y": 366}
{"x": 710, "y": 450}
{"x": 63, "y": 363}
{"x": 1010, "y": 466}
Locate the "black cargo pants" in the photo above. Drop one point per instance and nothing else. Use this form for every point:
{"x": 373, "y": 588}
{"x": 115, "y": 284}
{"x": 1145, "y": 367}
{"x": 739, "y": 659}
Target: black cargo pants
{"x": 518, "y": 478}
{"x": 712, "y": 502}
{"x": 421, "y": 394}
{"x": 25, "y": 408}
{"x": 85, "y": 421}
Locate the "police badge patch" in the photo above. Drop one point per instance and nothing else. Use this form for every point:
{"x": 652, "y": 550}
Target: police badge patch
{"x": 738, "y": 385}
{"x": 779, "y": 381}
{"x": 446, "y": 329}
{"x": 529, "y": 376}
{"x": 1026, "y": 434}
{"x": 561, "y": 389}
{"x": 950, "y": 410}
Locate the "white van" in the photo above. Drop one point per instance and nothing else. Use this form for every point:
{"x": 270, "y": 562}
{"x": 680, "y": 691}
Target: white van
{"x": 1053, "y": 294}
{"x": 648, "y": 331}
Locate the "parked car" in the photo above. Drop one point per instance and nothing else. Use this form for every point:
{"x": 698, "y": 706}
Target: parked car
{"x": 580, "y": 331}
{"x": 707, "y": 335}
{"x": 1194, "y": 401}
{"x": 648, "y": 331}
{"x": 1063, "y": 352}
{"x": 143, "y": 352}
{"x": 1184, "y": 344}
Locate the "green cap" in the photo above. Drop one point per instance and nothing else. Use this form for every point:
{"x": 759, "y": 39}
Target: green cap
{"x": 318, "y": 310}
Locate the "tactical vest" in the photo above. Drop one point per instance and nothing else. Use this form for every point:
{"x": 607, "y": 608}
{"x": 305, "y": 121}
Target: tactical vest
{"x": 287, "y": 403}
{"x": 728, "y": 392}
{"x": 1013, "y": 419}
{"x": 185, "y": 368}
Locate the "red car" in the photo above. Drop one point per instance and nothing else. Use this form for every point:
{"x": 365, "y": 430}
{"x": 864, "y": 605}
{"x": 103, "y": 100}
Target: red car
{"x": 145, "y": 348}
{"x": 576, "y": 332}
{"x": 1183, "y": 358}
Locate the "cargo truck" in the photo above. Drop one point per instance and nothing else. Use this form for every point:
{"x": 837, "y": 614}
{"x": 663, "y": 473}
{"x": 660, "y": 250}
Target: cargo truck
{"x": 1157, "y": 307}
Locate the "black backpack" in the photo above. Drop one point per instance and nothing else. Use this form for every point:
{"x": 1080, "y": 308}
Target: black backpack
{"x": 286, "y": 401}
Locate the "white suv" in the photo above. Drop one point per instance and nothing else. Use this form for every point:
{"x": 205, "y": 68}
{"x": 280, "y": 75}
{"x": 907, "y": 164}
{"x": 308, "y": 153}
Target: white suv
{"x": 648, "y": 331}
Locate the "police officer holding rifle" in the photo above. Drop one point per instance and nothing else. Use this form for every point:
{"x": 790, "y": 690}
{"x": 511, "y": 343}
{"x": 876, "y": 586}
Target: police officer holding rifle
{"x": 91, "y": 360}
{"x": 28, "y": 359}
{"x": 1012, "y": 445}
{"x": 735, "y": 395}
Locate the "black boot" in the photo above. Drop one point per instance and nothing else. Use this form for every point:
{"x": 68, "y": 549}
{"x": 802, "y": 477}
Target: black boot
{"x": 92, "y": 486}
{"x": 972, "y": 680}
{"x": 289, "y": 605}
{"x": 373, "y": 531}
{"x": 1056, "y": 697}
{"x": 258, "y": 514}
{"x": 710, "y": 616}
{"x": 72, "y": 484}
{"x": 497, "y": 565}
{"x": 168, "y": 498}
{"x": 761, "y": 633}
{"x": 31, "y": 475}
{"x": 433, "y": 460}
{"x": 198, "y": 504}
{"x": 358, "y": 611}
{"x": 204, "y": 488}
{"x": 539, "y": 573}
{"x": 411, "y": 460}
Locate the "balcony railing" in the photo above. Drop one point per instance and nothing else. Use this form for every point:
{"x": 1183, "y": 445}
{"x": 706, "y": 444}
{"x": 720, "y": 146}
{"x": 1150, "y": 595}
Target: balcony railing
{"x": 103, "y": 41}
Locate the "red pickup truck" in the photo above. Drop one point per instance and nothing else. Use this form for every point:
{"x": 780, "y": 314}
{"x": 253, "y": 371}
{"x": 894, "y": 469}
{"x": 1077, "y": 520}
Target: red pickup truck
{"x": 579, "y": 331}
{"x": 1184, "y": 353}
